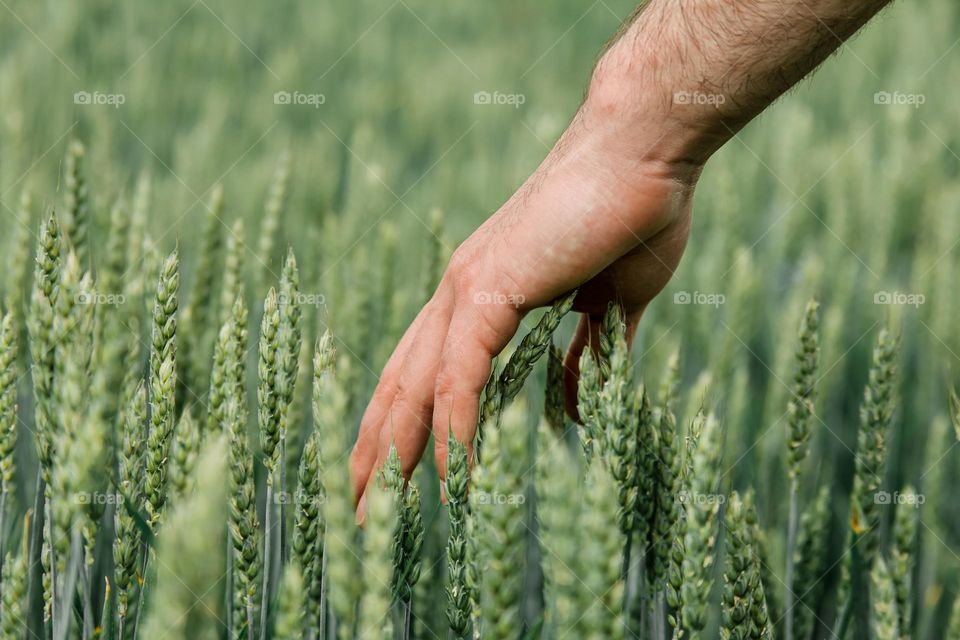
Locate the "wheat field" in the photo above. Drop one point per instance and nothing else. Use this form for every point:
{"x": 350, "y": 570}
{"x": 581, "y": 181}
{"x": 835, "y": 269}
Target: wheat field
{"x": 218, "y": 218}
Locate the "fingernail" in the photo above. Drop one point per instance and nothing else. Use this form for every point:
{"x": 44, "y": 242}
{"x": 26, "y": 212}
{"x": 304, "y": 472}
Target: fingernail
{"x": 443, "y": 494}
{"x": 362, "y": 509}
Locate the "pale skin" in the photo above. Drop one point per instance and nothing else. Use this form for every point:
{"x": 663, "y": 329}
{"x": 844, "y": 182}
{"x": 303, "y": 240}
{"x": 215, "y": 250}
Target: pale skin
{"x": 608, "y": 210}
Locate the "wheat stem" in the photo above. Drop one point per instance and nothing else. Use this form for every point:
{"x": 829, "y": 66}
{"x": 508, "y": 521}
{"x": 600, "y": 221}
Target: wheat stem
{"x": 267, "y": 561}
{"x": 792, "y": 524}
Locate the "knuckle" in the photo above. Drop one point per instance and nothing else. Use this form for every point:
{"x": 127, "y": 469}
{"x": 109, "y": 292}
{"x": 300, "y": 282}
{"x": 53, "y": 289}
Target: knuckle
{"x": 459, "y": 259}
{"x": 464, "y": 269}
{"x": 402, "y": 395}
{"x": 446, "y": 380}
{"x": 404, "y": 388}
{"x": 408, "y": 398}
{"x": 440, "y": 450}
{"x": 493, "y": 326}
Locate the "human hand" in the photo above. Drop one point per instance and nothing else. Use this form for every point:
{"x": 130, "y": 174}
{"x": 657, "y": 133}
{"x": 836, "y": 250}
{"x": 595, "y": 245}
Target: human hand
{"x": 608, "y": 212}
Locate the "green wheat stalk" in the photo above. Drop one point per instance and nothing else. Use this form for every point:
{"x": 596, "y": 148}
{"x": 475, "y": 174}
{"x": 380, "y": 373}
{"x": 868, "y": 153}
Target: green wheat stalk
{"x": 553, "y": 405}
{"x": 232, "y": 284}
{"x": 678, "y": 551}
{"x": 619, "y": 422}
{"x": 667, "y": 509}
{"x": 588, "y": 403}
{"x": 408, "y": 536}
{"x": 183, "y": 455}
{"x": 884, "y": 602}
{"x": 876, "y": 413}
{"x": 601, "y": 548}
{"x": 455, "y": 489}
{"x": 903, "y": 555}
{"x": 309, "y": 529}
{"x": 243, "y": 524}
{"x": 220, "y": 377}
{"x": 702, "y": 509}
{"x": 245, "y": 562}
{"x": 808, "y": 560}
{"x": 375, "y": 622}
{"x": 272, "y": 214}
{"x": 341, "y": 552}
{"x": 768, "y": 582}
{"x": 670, "y": 382}
{"x": 267, "y": 393}
{"x": 744, "y": 606}
{"x": 290, "y": 340}
{"x": 112, "y": 342}
{"x": 290, "y": 602}
{"x": 269, "y": 400}
{"x": 18, "y": 260}
{"x": 9, "y": 350}
{"x": 127, "y": 541}
{"x": 46, "y": 282}
{"x": 76, "y": 209}
{"x": 13, "y": 592}
{"x": 78, "y": 444}
{"x": 190, "y": 559}
{"x": 800, "y": 411}
{"x": 558, "y": 513}
{"x": 162, "y": 385}
{"x": 496, "y": 499}
{"x": 199, "y": 314}
{"x": 46, "y": 286}
{"x": 532, "y": 346}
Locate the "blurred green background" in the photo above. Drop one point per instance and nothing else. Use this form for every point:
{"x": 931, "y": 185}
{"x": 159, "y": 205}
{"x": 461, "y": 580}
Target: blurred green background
{"x": 841, "y": 191}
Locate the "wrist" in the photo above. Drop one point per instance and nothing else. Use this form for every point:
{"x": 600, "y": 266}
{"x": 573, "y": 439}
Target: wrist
{"x": 634, "y": 101}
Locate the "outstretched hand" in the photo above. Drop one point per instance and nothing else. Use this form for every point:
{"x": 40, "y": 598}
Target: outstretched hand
{"x": 595, "y": 216}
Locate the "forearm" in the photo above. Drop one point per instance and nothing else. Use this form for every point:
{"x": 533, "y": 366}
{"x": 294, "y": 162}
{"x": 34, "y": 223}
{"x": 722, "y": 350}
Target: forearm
{"x": 699, "y": 71}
